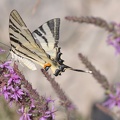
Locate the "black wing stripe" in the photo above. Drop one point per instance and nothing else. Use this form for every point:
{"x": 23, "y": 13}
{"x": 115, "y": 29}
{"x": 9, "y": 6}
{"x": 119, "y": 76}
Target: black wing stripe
{"x": 15, "y": 40}
{"x": 20, "y": 52}
{"x": 45, "y": 39}
{"x": 18, "y": 32}
{"x": 12, "y": 35}
{"x": 25, "y": 37}
{"x": 39, "y": 34}
{"x": 54, "y": 27}
{"x": 14, "y": 25}
{"x": 14, "y": 51}
{"x": 16, "y": 29}
{"x": 26, "y": 55}
{"x": 10, "y": 26}
{"x": 23, "y": 47}
{"x": 57, "y": 29}
{"x": 13, "y": 15}
{"x": 51, "y": 26}
{"x": 42, "y": 30}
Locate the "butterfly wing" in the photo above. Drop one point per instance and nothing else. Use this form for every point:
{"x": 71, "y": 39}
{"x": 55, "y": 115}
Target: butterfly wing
{"x": 25, "y": 61}
{"x": 23, "y": 46}
{"x": 47, "y": 36}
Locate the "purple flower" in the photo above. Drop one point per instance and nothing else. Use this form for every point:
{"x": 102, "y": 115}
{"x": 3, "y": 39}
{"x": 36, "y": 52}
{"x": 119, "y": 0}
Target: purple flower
{"x": 17, "y": 93}
{"x": 114, "y": 38}
{"x": 7, "y": 65}
{"x": 71, "y": 107}
{"x": 32, "y": 103}
{"x": 25, "y": 114}
{"x": 6, "y": 92}
{"x": 42, "y": 118}
{"x": 49, "y": 100}
{"x": 49, "y": 113}
{"x": 1, "y": 50}
{"x": 17, "y": 89}
{"x": 113, "y": 99}
{"x": 115, "y": 43}
{"x": 13, "y": 78}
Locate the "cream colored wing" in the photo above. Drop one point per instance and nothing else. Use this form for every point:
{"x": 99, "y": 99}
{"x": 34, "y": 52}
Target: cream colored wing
{"x": 22, "y": 42}
{"x": 47, "y": 36}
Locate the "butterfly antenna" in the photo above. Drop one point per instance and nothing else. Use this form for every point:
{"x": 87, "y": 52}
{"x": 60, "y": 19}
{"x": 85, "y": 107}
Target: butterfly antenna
{"x": 8, "y": 47}
{"x": 8, "y": 55}
{"x": 5, "y": 45}
{"x": 78, "y": 70}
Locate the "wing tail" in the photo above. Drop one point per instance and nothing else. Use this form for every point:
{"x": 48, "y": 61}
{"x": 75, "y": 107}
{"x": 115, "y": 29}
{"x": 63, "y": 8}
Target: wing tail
{"x": 79, "y": 70}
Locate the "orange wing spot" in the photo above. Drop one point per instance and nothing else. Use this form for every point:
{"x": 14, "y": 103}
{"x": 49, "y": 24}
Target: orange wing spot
{"x": 47, "y": 65}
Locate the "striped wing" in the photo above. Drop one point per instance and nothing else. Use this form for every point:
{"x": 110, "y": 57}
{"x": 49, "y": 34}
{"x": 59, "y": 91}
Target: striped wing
{"x": 23, "y": 46}
{"x": 47, "y": 36}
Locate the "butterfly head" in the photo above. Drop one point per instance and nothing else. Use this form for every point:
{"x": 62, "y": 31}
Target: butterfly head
{"x": 57, "y": 69}
{"x": 61, "y": 68}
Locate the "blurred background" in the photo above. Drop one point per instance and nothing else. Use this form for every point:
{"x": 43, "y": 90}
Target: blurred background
{"x": 75, "y": 38}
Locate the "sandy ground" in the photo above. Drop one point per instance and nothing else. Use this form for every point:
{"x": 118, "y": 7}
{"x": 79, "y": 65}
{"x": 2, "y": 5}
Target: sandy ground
{"x": 75, "y": 38}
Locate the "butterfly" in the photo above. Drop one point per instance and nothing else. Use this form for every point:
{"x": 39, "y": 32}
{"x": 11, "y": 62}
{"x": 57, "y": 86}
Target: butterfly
{"x": 40, "y": 46}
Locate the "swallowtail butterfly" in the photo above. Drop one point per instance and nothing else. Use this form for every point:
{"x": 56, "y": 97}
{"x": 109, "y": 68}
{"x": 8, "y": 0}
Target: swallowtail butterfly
{"x": 40, "y": 46}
